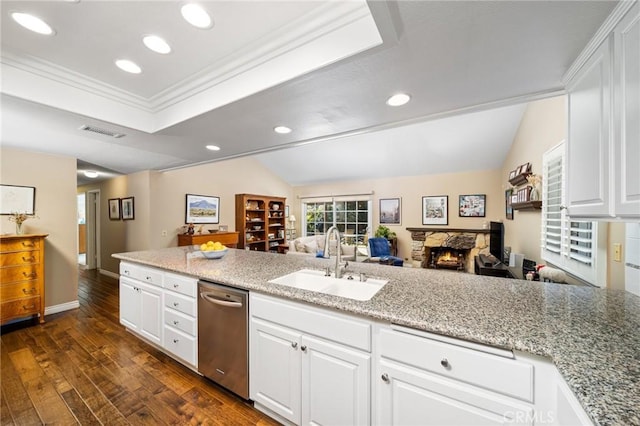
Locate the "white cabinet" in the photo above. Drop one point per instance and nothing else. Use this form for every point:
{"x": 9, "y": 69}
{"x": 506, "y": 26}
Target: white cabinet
{"x": 304, "y": 378}
{"x": 429, "y": 381}
{"x": 180, "y": 317}
{"x": 141, "y": 308}
{"x": 603, "y": 177}
{"x": 627, "y": 114}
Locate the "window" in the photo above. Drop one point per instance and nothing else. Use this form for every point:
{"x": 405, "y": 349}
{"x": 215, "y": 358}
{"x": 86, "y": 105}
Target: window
{"x": 351, "y": 216}
{"x": 572, "y": 245}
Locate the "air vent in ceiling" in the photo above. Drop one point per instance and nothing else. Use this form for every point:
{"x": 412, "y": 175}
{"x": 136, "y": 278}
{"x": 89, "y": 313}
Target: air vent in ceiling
{"x": 101, "y": 131}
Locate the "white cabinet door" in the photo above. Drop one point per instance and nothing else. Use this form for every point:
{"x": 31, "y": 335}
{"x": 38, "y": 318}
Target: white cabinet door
{"x": 129, "y": 304}
{"x": 589, "y": 147}
{"x": 274, "y": 365}
{"x": 408, "y": 396}
{"x": 151, "y": 313}
{"x": 627, "y": 114}
{"x": 335, "y": 384}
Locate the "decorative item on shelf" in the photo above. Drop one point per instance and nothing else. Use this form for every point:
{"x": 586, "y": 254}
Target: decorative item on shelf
{"x": 534, "y": 181}
{"x": 19, "y": 219}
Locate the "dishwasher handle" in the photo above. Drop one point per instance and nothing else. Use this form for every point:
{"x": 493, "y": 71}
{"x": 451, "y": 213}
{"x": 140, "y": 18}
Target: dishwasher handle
{"x": 211, "y": 297}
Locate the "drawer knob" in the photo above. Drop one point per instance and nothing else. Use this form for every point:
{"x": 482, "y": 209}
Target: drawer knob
{"x": 294, "y": 345}
{"x": 385, "y": 377}
{"x": 148, "y": 278}
{"x": 176, "y": 322}
{"x": 445, "y": 363}
{"x": 303, "y": 348}
{"x": 176, "y": 285}
{"x": 175, "y": 303}
{"x": 175, "y": 340}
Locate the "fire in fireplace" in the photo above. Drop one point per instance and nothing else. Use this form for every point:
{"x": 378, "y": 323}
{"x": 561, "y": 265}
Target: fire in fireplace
{"x": 447, "y": 258}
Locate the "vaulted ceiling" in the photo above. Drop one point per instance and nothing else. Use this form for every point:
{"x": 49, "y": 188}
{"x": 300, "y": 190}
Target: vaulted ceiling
{"x": 324, "y": 69}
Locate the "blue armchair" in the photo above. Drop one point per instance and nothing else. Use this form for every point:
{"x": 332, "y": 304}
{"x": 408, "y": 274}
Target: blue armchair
{"x": 379, "y": 249}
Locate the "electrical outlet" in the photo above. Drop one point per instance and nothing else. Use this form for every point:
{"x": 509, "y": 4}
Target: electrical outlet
{"x": 617, "y": 252}
{"x": 164, "y": 233}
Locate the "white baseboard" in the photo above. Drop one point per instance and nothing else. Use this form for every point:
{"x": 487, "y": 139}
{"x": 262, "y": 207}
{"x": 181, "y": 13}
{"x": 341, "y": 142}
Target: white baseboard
{"x": 109, "y": 274}
{"x": 48, "y": 310}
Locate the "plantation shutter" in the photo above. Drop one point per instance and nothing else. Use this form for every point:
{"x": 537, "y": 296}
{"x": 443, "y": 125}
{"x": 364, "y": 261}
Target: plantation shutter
{"x": 552, "y": 178}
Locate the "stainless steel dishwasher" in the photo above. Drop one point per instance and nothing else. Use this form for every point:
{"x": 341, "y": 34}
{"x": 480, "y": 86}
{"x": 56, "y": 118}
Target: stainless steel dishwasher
{"x": 223, "y": 336}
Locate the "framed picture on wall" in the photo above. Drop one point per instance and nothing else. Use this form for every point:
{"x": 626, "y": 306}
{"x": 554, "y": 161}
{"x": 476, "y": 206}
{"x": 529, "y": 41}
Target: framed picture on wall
{"x": 508, "y": 207}
{"x": 390, "y": 211}
{"x": 17, "y": 199}
{"x": 472, "y": 205}
{"x": 127, "y": 208}
{"x": 435, "y": 210}
{"x": 202, "y": 209}
{"x": 114, "y": 208}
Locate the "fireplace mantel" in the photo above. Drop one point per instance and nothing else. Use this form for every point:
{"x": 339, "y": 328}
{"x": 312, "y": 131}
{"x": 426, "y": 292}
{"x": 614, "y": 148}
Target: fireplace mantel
{"x": 476, "y": 231}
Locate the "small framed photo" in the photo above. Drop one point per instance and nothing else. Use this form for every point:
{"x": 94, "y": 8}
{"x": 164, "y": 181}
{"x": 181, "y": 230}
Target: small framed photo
{"x": 390, "y": 211}
{"x": 472, "y": 205}
{"x": 114, "y": 208}
{"x": 512, "y": 174}
{"x": 202, "y": 209}
{"x": 127, "y": 209}
{"x": 435, "y": 210}
{"x": 508, "y": 207}
{"x": 286, "y": 211}
{"x": 525, "y": 168}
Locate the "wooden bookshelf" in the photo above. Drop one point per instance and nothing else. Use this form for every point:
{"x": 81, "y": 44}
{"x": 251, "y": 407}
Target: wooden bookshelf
{"x": 261, "y": 222}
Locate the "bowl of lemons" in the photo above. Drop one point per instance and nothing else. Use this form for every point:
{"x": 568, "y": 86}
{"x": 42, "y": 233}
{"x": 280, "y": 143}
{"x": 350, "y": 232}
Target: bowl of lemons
{"x": 212, "y": 250}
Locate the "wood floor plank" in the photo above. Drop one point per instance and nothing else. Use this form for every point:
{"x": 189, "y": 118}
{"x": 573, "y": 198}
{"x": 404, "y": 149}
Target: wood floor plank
{"x": 80, "y": 410}
{"x": 6, "y": 419}
{"x": 17, "y": 399}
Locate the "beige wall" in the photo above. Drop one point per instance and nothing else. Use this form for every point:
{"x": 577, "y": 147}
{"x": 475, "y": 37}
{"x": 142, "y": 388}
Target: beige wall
{"x": 54, "y": 178}
{"x": 543, "y": 126}
{"x": 411, "y": 189}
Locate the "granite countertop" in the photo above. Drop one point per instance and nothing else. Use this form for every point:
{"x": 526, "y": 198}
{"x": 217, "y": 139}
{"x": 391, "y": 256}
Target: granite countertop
{"x": 592, "y": 335}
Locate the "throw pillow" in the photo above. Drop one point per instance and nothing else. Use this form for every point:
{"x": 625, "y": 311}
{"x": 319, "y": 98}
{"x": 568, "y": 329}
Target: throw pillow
{"x": 311, "y": 247}
{"x": 299, "y": 246}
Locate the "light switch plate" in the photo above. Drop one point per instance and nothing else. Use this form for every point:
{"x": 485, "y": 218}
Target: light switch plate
{"x": 617, "y": 252}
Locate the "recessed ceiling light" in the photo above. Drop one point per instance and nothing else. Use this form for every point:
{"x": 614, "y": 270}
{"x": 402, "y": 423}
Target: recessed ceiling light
{"x": 157, "y": 44}
{"x": 91, "y": 174}
{"x": 398, "y": 100}
{"x": 196, "y": 16}
{"x": 32, "y": 23}
{"x": 213, "y": 147}
{"x": 128, "y": 66}
{"x": 282, "y": 130}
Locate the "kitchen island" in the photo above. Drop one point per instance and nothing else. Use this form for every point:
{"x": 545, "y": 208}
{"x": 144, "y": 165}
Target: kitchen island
{"x": 591, "y": 335}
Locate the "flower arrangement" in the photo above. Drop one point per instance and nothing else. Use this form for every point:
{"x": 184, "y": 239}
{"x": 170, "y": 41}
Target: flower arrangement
{"x": 534, "y": 180}
{"x": 19, "y": 219}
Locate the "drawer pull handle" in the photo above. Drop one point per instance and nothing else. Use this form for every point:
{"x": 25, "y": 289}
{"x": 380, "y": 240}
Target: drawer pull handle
{"x": 26, "y": 308}
{"x": 385, "y": 378}
{"x": 303, "y": 348}
{"x": 25, "y": 244}
{"x": 175, "y": 303}
{"x": 25, "y": 291}
{"x": 148, "y": 278}
{"x": 176, "y": 285}
{"x": 126, "y": 272}
{"x": 28, "y": 259}
{"x": 294, "y": 345}
{"x": 176, "y": 322}
{"x": 445, "y": 363}
{"x": 175, "y": 340}
{"x": 31, "y": 275}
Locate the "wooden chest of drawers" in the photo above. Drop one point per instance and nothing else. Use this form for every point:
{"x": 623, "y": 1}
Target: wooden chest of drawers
{"x": 21, "y": 276}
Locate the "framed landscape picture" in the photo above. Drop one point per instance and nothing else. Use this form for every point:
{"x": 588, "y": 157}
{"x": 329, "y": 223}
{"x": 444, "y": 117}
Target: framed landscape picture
{"x": 390, "y": 211}
{"x": 127, "y": 209}
{"x": 472, "y": 205}
{"x": 114, "y": 208}
{"x": 435, "y": 210}
{"x": 202, "y": 209}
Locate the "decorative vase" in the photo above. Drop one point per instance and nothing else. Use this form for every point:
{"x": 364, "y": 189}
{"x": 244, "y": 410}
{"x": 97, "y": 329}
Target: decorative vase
{"x": 535, "y": 194}
{"x": 19, "y": 228}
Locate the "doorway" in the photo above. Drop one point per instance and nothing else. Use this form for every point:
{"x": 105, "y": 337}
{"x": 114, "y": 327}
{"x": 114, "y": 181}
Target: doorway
{"x": 82, "y": 230}
{"x": 92, "y": 219}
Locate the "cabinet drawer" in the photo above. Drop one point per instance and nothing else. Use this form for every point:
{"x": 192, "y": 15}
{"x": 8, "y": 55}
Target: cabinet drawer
{"x": 319, "y": 322}
{"x": 19, "y": 273}
{"x": 19, "y": 258}
{"x": 184, "y": 304}
{"x": 141, "y": 273}
{"x": 19, "y": 308}
{"x": 18, "y": 244}
{"x": 181, "y": 284}
{"x": 493, "y": 372}
{"x": 19, "y": 290}
{"x": 180, "y": 321}
{"x": 180, "y": 344}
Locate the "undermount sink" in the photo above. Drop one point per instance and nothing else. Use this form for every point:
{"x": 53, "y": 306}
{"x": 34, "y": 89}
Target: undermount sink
{"x": 310, "y": 279}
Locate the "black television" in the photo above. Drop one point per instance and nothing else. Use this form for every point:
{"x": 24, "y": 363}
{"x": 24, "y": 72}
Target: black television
{"x": 496, "y": 240}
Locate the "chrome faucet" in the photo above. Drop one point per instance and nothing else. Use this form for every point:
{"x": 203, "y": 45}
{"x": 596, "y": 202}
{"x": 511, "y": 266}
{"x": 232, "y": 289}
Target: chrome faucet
{"x": 338, "y": 271}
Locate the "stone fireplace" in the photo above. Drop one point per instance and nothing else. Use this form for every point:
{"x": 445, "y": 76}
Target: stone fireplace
{"x": 448, "y": 248}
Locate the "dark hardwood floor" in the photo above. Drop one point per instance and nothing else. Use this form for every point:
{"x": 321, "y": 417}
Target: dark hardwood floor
{"x": 83, "y": 367}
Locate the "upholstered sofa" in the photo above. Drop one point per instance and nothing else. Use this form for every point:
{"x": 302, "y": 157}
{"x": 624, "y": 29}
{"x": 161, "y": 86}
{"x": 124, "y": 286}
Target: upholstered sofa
{"x": 310, "y": 246}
